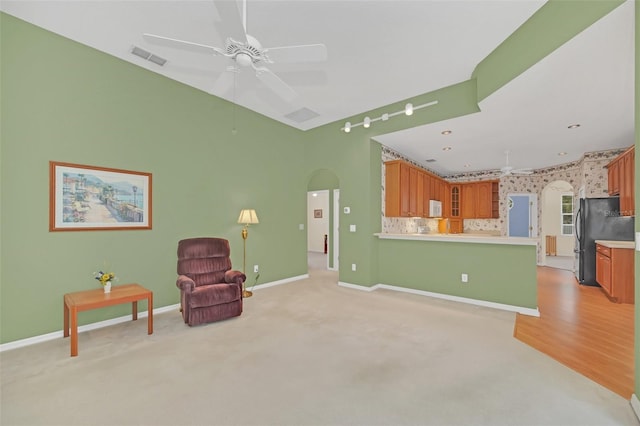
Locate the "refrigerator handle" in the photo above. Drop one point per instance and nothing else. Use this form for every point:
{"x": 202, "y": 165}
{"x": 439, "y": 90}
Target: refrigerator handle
{"x": 577, "y": 222}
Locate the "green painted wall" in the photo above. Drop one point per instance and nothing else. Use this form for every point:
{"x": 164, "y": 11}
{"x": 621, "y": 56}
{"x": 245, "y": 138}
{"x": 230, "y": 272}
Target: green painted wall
{"x": 66, "y": 102}
{"x": 497, "y": 273}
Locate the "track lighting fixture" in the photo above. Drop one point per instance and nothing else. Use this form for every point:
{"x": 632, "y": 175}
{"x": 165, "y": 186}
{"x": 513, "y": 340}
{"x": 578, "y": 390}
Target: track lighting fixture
{"x": 408, "y": 109}
{"x": 366, "y": 123}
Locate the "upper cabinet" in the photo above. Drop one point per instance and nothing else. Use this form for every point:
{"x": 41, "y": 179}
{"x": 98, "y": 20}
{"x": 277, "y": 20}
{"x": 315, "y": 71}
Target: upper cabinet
{"x": 621, "y": 175}
{"x": 479, "y": 200}
{"x": 408, "y": 190}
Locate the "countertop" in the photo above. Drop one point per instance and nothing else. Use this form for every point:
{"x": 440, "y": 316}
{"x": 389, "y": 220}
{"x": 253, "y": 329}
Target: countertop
{"x": 462, "y": 238}
{"x": 617, "y": 244}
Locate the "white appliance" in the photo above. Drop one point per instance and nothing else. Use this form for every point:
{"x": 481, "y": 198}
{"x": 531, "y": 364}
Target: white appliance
{"x": 435, "y": 208}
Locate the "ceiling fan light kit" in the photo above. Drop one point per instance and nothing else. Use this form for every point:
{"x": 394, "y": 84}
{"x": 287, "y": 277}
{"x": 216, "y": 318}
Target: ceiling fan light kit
{"x": 366, "y": 123}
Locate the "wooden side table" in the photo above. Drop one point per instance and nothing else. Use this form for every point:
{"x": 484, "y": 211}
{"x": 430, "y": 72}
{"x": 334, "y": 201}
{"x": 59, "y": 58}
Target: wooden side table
{"x": 94, "y": 299}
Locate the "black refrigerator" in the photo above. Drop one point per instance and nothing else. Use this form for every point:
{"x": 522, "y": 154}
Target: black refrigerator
{"x": 598, "y": 219}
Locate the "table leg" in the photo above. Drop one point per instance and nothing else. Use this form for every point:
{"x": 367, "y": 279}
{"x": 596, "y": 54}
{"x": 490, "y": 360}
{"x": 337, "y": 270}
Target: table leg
{"x": 134, "y": 310}
{"x": 66, "y": 319}
{"x": 74, "y": 331}
{"x": 150, "y": 316}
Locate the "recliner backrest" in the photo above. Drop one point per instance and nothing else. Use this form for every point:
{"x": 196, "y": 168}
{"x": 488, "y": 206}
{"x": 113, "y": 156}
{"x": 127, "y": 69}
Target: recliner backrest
{"x": 205, "y": 260}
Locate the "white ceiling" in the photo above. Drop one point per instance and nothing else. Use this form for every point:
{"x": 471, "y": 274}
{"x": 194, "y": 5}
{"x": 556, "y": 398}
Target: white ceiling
{"x": 381, "y": 52}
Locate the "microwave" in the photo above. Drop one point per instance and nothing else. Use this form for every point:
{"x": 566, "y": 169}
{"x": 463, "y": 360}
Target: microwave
{"x": 435, "y": 208}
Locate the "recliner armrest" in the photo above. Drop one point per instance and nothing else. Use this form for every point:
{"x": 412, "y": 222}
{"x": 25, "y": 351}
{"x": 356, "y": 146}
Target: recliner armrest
{"x": 234, "y": 277}
{"x": 185, "y": 283}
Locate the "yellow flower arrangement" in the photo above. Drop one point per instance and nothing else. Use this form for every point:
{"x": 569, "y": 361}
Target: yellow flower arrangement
{"x": 104, "y": 277}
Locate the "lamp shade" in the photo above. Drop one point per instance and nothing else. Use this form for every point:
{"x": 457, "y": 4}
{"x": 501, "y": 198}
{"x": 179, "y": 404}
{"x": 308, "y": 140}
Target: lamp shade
{"x": 248, "y": 216}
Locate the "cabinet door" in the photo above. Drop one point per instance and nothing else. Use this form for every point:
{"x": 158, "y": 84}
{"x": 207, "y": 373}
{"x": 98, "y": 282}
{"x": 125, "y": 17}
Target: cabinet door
{"x": 468, "y": 199}
{"x": 626, "y": 177}
{"x": 392, "y": 189}
{"x": 454, "y": 200}
{"x": 603, "y": 272}
{"x": 613, "y": 174}
{"x": 427, "y": 193}
{"x": 405, "y": 191}
{"x": 455, "y": 226}
{"x": 484, "y": 203}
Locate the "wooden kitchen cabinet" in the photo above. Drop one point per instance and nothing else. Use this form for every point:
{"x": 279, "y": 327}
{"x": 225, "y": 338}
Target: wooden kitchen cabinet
{"x": 454, "y": 201}
{"x": 627, "y": 184}
{"x": 398, "y": 189}
{"x": 479, "y": 200}
{"x": 456, "y": 226}
{"x": 615, "y": 273}
{"x": 468, "y": 199}
{"x": 613, "y": 174}
{"x": 621, "y": 180}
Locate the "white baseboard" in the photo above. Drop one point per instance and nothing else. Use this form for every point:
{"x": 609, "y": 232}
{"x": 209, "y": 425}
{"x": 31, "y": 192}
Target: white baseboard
{"x": 635, "y": 404}
{"x": 512, "y": 308}
{"x": 142, "y": 314}
{"x": 59, "y": 334}
{"x": 279, "y": 282}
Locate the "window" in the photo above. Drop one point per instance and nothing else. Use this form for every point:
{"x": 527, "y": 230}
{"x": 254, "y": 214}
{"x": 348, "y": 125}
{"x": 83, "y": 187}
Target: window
{"x": 566, "y": 207}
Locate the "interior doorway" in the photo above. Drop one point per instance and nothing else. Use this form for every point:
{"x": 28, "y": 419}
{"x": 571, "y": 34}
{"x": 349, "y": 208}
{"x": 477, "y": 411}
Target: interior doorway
{"x": 557, "y": 227}
{"x": 323, "y": 220}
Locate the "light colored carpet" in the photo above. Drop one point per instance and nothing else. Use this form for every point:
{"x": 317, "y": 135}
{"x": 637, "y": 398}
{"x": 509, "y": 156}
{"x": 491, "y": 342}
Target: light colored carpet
{"x": 306, "y": 353}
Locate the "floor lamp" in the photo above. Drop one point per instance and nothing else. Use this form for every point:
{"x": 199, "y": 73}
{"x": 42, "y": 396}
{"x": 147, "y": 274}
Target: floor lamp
{"x": 247, "y": 217}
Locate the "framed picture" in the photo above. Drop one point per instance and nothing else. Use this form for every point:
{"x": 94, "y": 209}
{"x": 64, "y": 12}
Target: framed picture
{"x": 317, "y": 214}
{"x": 88, "y": 198}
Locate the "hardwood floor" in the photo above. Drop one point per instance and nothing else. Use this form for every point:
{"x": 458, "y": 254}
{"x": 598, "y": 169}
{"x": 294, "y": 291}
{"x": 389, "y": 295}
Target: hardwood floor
{"x": 579, "y": 327}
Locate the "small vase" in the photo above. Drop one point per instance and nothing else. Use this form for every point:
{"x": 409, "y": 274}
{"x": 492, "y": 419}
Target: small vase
{"x": 107, "y": 287}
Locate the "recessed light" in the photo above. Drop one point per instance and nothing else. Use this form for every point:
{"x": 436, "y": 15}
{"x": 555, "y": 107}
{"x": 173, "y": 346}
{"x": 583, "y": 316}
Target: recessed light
{"x": 446, "y": 132}
{"x": 573, "y": 126}
{"x": 446, "y": 148}
{"x": 315, "y": 194}
{"x": 562, "y": 153}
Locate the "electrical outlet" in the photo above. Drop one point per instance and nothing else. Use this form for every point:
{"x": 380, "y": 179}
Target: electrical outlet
{"x": 353, "y": 267}
{"x": 256, "y": 269}
{"x": 464, "y": 278}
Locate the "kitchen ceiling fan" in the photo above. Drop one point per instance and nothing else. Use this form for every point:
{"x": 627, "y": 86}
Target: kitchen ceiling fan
{"x": 507, "y": 170}
{"x": 246, "y": 51}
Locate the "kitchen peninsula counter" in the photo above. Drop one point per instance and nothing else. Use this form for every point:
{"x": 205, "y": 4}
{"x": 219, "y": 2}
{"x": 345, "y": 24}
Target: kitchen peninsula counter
{"x": 462, "y": 238}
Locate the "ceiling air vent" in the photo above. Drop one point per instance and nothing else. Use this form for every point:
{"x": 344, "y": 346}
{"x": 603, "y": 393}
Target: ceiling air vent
{"x": 303, "y": 114}
{"x": 430, "y": 160}
{"x": 148, "y": 56}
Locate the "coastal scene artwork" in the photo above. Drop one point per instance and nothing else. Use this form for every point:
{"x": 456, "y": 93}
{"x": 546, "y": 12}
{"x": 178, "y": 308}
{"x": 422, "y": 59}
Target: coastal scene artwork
{"x": 83, "y": 198}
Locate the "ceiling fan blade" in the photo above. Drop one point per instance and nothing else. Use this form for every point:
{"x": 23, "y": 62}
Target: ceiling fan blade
{"x": 274, "y": 83}
{"x": 182, "y": 44}
{"x": 231, "y": 21}
{"x": 224, "y": 83}
{"x": 522, "y": 171}
{"x": 302, "y": 53}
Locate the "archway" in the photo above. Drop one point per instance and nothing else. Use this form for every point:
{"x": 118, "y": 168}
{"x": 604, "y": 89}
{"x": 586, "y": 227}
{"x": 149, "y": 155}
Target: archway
{"x": 323, "y": 203}
{"x": 557, "y": 225}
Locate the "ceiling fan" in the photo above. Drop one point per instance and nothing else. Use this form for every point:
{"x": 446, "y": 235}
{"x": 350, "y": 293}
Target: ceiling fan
{"x": 246, "y": 51}
{"x": 507, "y": 170}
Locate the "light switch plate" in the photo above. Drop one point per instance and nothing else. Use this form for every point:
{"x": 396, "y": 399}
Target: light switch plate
{"x": 352, "y": 228}
{"x": 638, "y": 241}
{"x": 301, "y": 227}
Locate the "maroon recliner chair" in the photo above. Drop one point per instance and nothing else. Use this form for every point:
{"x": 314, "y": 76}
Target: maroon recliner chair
{"x": 209, "y": 289}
